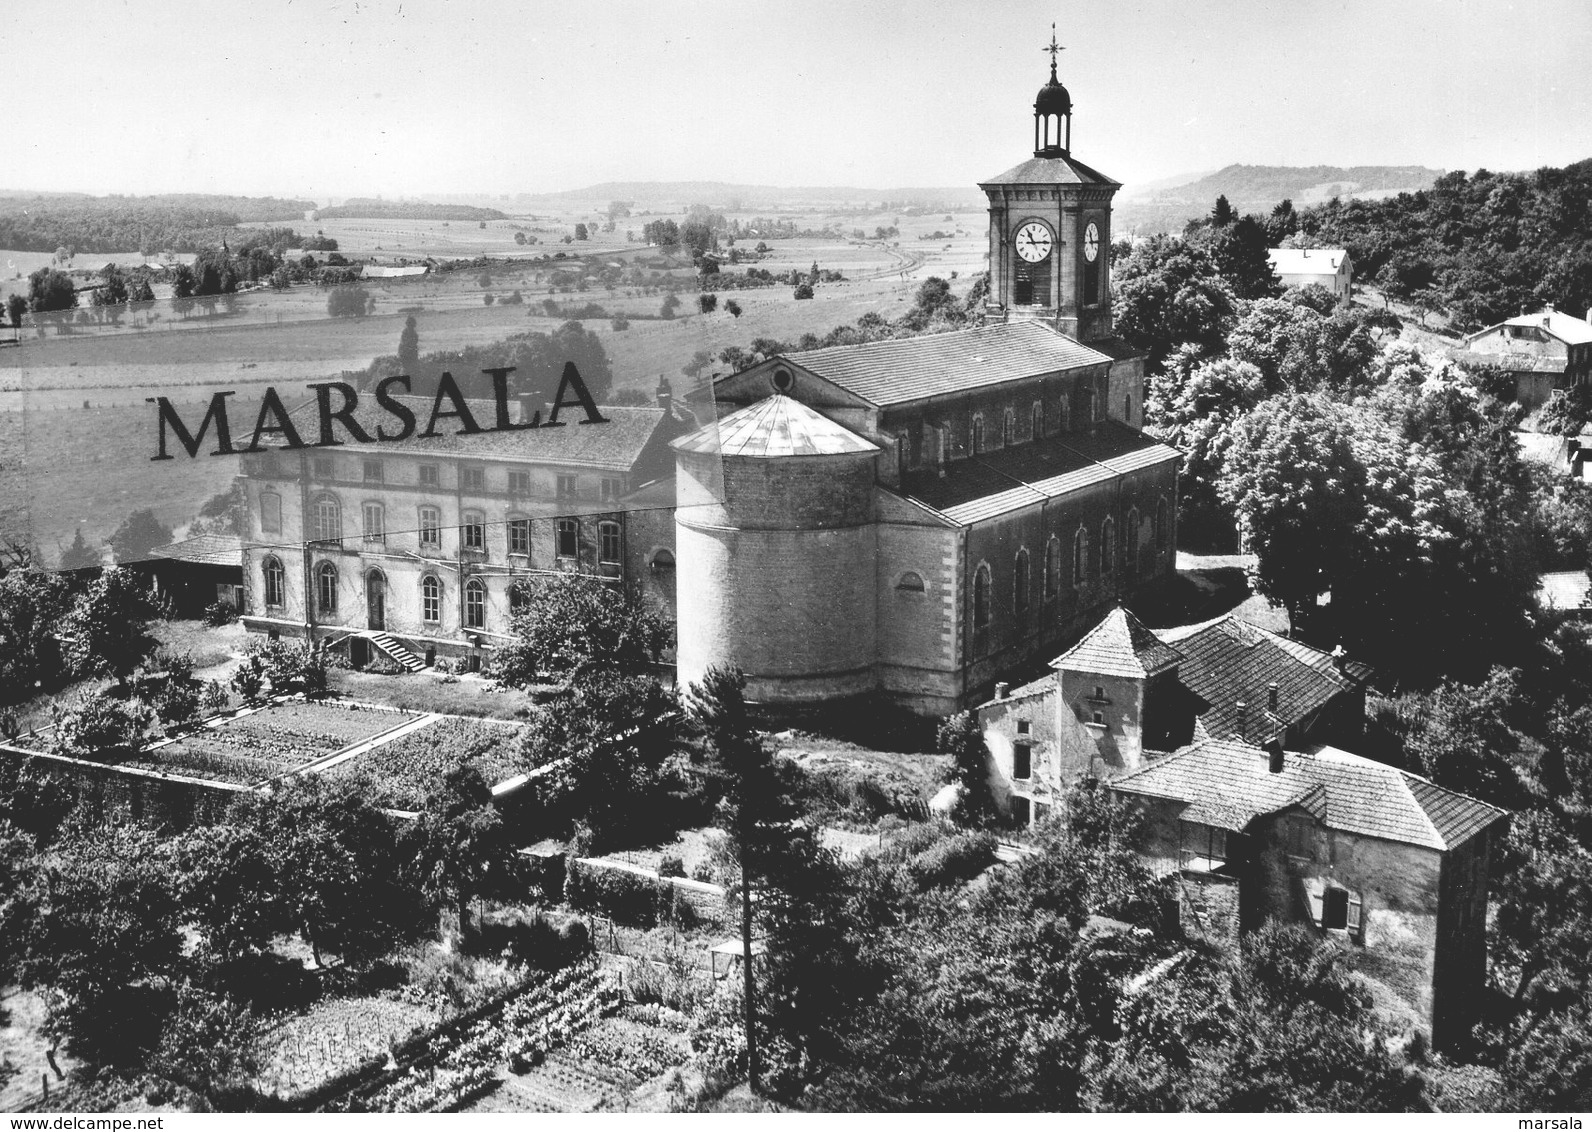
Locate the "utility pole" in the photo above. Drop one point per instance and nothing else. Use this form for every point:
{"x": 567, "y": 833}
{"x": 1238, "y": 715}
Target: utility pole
{"x": 746, "y": 944}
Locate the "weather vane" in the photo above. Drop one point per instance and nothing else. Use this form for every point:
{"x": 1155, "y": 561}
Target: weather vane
{"x": 1053, "y": 49}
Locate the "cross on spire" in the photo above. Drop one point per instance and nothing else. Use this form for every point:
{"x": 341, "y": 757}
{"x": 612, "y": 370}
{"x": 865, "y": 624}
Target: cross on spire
{"x": 1053, "y": 49}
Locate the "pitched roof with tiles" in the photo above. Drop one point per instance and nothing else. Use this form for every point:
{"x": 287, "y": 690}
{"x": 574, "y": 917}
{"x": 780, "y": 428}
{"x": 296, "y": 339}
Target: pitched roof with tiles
{"x": 774, "y": 427}
{"x": 1565, "y": 327}
{"x": 1063, "y": 170}
{"x": 1229, "y": 784}
{"x": 1026, "y": 474}
{"x": 1306, "y": 261}
{"x": 1228, "y": 661}
{"x": 203, "y": 550}
{"x": 898, "y": 370}
{"x": 1119, "y": 646}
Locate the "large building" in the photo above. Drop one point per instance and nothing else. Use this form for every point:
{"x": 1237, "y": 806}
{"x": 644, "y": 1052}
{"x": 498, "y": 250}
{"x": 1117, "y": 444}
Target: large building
{"x": 911, "y": 519}
{"x": 1543, "y": 352}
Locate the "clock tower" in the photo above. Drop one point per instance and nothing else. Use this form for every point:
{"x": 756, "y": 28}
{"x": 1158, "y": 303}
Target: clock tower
{"x": 1050, "y": 228}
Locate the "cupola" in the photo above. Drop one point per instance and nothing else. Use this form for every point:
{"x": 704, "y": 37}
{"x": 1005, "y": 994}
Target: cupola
{"x": 1052, "y": 111}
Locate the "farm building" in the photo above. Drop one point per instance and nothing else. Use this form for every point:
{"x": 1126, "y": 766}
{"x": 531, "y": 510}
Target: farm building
{"x": 198, "y": 572}
{"x": 1543, "y": 352}
{"x": 1319, "y": 267}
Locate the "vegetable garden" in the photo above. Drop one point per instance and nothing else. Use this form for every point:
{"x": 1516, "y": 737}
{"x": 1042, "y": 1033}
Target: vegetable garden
{"x": 400, "y": 774}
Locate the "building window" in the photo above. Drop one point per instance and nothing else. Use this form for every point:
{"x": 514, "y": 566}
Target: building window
{"x": 1335, "y": 908}
{"x": 375, "y": 523}
{"x": 275, "y": 581}
{"x": 608, "y": 543}
{"x": 981, "y": 587}
{"x": 978, "y": 434}
{"x": 1204, "y": 847}
{"x": 1022, "y": 760}
{"x": 430, "y": 599}
{"x": 326, "y": 588}
{"x": 1080, "y": 557}
{"x": 270, "y": 512}
{"x": 566, "y": 538}
{"x": 475, "y": 479}
{"x": 429, "y": 476}
{"x": 430, "y": 527}
{"x": 475, "y": 604}
{"x": 1127, "y": 407}
{"x": 1052, "y": 568}
{"x": 322, "y": 467}
{"x": 519, "y": 598}
{"x": 911, "y": 582}
{"x": 328, "y": 520}
{"x": 472, "y": 535}
{"x": 903, "y": 455}
{"x": 1009, "y": 429}
{"x": 663, "y": 560}
{"x": 1036, "y": 420}
{"x": 612, "y": 489}
{"x": 519, "y": 536}
{"x": 1099, "y": 691}
{"x": 1108, "y": 546}
{"x": 519, "y": 483}
{"x": 1020, "y": 585}
{"x": 372, "y": 471}
{"x": 566, "y": 487}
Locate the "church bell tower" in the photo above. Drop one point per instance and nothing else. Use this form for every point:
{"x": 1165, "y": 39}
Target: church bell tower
{"x": 1050, "y": 228}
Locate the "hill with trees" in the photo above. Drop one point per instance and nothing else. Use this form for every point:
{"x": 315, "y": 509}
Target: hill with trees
{"x": 365, "y": 208}
{"x": 1257, "y": 188}
{"x": 179, "y": 222}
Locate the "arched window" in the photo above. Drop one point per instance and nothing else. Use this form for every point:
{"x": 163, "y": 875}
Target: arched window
{"x": 1052, "y": 568}
{"x": 275, "y": 581}
{"x": 1132, "y": 557}
{"x": 1080, "y": 557}
{"x": 1108, "y": 546}
{"x": 981, "y": 600}
{"x": 475, "y": 604}
{"x": 328, "y": 519}
{"x": 1020, "y": 582}
{"x": 431, "y": 599}
{"x": 1009, "y": 429}
{"x": 663, "y": 561}
{"x": 326, "y": 588}
{"x": 1036, "y": 420}
{"x": 978, "y": 434}
{"x": 911, "y": 582}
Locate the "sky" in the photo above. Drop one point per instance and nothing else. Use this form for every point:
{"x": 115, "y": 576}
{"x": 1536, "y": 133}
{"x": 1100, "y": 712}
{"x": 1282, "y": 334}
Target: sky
{"x": 339, "y": 98}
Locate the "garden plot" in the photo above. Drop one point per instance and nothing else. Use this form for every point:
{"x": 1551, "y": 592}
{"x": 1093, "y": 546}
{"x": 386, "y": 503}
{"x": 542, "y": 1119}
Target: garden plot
{"x": 401, "y": 773}
{"x": 303, "y": 1051}
{"x": 275, "y": 740}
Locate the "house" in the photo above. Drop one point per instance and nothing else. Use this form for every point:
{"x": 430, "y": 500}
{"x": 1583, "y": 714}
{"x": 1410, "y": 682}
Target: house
{"x": 197, "y": 572}
{"x": 1125, "y": 692}
{"x": 1543, "y": 352}
{"x": 389, "y": 271}
{"x": 1330, "y": 268}
{"x": 1381, "y": 860}
{"x": 1566, "y": 595}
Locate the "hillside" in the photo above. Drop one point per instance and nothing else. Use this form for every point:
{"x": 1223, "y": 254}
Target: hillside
{"x": 179, "y": 222}
{"x": 364, "y": 208}
{"x": 1258, "y": 188}
{"x": 724, "y": 194}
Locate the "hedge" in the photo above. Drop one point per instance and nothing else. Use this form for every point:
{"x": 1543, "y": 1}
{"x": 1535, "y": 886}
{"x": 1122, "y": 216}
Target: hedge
{"x": 625, "y": 897}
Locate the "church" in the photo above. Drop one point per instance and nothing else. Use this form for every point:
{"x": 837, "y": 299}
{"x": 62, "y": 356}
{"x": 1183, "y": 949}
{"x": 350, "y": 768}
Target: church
{"x": 909, "y": 520}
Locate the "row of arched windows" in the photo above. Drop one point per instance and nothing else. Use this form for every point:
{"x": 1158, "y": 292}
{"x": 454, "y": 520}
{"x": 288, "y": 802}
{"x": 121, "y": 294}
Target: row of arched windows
{"x": 326, "y": 578}
{"x": 910, "y": 446}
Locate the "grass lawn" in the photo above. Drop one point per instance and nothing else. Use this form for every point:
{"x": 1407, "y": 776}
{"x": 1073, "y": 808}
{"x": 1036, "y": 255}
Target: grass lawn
{"x": 209, "y": 647}
{"x": 425, "y": 691}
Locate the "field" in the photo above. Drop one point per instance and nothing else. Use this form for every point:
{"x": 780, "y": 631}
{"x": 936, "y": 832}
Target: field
{"x": 401, "y": 773}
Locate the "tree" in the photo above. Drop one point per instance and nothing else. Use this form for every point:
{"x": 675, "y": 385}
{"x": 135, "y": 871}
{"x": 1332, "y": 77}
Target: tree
{"x": 671, "y": 305}
{"x": 804, "y": 291}
{"x": 961, "y": 737}
{"x": 573, "y": 626}
{"x": 112, "y": 292}
{"x": 182, "y": 281}
{"x": 732, "y": 308}
{"x": 139, "y": 533}
{"x": 409, "y": 345}
{"x": 581, "y": 233}
{"x": 16, "y": 307}
{"x": 32, "y": 604}
{"x": 1239, "y": 252}
{"x": 707, "y": 302}
{"x": 459, "y": 844}
{"x": 95, "y": 725}
{"x": 1167, "y": 293}
{"x": 1222, "y": 215}
{"x": 79, "y": 556}
{"x": 227, "y": 888}
{"x": 349, "y": 302}
{"x": 51, "y": 290}
{"x": 105, "y": 630}
{"x": 214, "y": 272}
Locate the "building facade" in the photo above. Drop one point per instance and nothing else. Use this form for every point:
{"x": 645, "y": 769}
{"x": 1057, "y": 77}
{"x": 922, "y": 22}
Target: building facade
{"x": 1543, "y": 352}
{"x": 1328, "y": 268}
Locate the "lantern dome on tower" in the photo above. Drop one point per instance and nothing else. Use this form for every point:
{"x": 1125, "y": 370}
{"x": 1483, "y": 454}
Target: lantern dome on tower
{"x": 1053, "y": 97}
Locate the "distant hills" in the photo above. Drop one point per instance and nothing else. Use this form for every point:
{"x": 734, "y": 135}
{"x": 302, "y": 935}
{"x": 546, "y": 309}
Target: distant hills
{"x": 1166, "y": 206}
{"x": 666, "y": 195}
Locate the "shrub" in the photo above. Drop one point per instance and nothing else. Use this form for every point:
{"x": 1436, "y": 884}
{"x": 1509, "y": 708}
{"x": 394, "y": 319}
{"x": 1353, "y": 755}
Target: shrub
{"x": 626, "y": 897}
{"x": 707, "y": 302}
{"x": 219, "y": 613}
{"x": 381, "y": 664}
{"x": 620, "y": 324}
{"x": 672, "y": 865}
{"x": 954, "y": 860}
{"x": 96, "y": 725}
{"x": 805, "y": 291}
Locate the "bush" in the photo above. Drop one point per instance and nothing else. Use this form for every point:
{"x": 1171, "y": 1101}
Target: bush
{"x": 380, "y": 664}
{"x": 805, "y": 291}
{"x": 707, "y": 302}
{"x": 620, "y": 324}
{"x": 626, "y": 897}
{"x": 219, "y": 613}
{"x": 96, "y": 725}
{"x": 672, "y": 865}
{"x": 955, "y": 860}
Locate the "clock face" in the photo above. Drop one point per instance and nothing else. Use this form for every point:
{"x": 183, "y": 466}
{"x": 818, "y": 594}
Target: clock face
{"x": 1033, "y": 241}
{"x": 1091, "y": 242}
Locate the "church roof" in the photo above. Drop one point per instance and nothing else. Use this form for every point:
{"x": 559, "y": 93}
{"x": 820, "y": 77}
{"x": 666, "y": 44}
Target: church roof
{"x": 899, "y": 370}
{"x": 1229, "y": 784}
{"x": 1062, "y": 170}
{"x": 970, "y": 491}
{"x": 775, "y": 426}
{"x": 1119, "y": 646}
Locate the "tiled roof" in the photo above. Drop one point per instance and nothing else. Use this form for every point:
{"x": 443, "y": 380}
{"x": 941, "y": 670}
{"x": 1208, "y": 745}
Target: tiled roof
{"x": 616, "y": 444}
{"x": 998, "y": 482}
{"x": 775, "y": 426}
{"x": 1065, "y": 170}
{"x": 1306, "y": 261}
{"x": 1565, "y": 327}
{"x": 1229, "y": 784}
{"x": 1119, "y": 646}
{"x": 1228, "y": 661}
{"x": 203, "y": 550}
{"x": 898, "y": 370}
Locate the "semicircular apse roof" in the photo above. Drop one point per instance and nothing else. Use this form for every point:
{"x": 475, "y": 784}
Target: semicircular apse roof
{"x": 773, "y": 427}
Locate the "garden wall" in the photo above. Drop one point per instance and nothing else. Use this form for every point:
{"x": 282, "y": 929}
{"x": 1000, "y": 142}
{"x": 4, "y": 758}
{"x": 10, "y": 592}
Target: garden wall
{"x": 144, "y": 795}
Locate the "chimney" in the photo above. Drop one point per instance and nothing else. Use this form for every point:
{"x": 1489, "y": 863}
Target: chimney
{"x": 1274, "y": 756}
{"x": 665, "y": 397}
{"x": 1001, "y": 690}
{"x": 1273, "y": 696}
{"x": 1243, "y": 717}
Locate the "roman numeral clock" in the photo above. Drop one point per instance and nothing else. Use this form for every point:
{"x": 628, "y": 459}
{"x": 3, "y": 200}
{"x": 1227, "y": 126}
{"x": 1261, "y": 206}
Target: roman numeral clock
{"x": 1050, "y": 228}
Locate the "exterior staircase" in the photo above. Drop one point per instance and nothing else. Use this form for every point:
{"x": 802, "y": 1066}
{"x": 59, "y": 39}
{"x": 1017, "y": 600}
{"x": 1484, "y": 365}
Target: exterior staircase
{"x": 395, "y": 649}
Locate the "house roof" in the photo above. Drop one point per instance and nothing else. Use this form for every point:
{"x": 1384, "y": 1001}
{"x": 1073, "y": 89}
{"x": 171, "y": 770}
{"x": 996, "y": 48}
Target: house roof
{"x": 203, "y": 550}
{"x": 1119, "y": 646}
{"x": 1063, "y": 170}
{"x": 898, "y": 370}
{"x": 1228, "y": 661}
{"x": 1306, "y": 261}
{"x": 617, "y": 444}
{"x": 773, "y": 427}
{"x": 1026, "y": 474}
{"x": 1229, "y": 784}
{"x": 1565, "y": 327}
